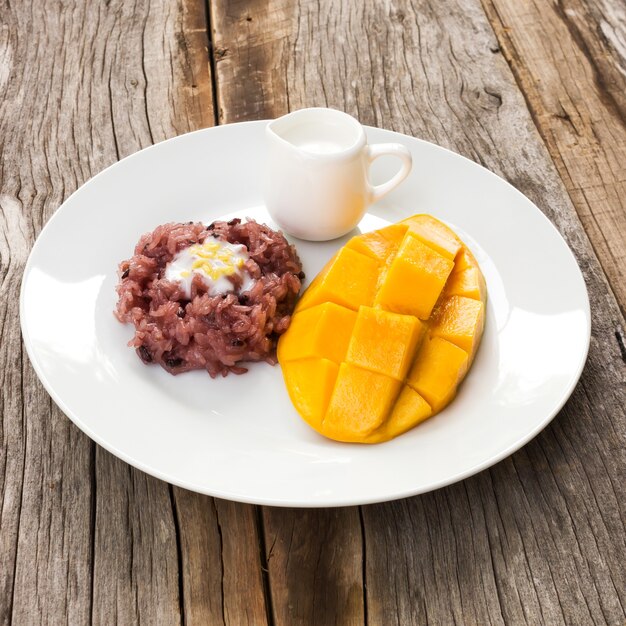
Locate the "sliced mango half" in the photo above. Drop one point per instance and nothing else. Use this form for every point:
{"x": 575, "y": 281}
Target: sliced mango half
{"x": 385, "y": 334}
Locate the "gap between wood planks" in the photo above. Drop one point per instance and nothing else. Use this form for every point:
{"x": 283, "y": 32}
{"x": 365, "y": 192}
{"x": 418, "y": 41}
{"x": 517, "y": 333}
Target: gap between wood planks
{"x": 212, "y": 62}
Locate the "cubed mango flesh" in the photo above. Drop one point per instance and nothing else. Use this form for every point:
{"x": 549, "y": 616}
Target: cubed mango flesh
{"x": 384, "y": 342}
{"x": 468, "y": 282}
{"x": 434, "y": 234}
{"x": 385, "y": 334}
{"x": 460, "y": 321}
{"x": 309, "y": 332}
{"x": 415, "y": 279}
{"x": 310, "y": 383}
{"x": 464, "y": 260}
{"x": 349, "y": 280}
{"x": 379, "y": 244}
{"x": 438, "y": 369}
{"x": 351, "y": 414}
{"x": 409, "y": 410}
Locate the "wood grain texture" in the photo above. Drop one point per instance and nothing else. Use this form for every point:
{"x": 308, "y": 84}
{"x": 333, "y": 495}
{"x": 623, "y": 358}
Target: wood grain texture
{"x": 569, "y": 58}
{"x": 82, "y": 536}
{"x": 135, "y": 562}
{"x": 45, "y": 530}
{"x": 540, "y": 537}
{"x": 200, "y": 558}
{"x": 243, "y": 592}
{"x": 315, "y": 565}
{"x": 221, "y": 562}
{"x": 251, "y": 44}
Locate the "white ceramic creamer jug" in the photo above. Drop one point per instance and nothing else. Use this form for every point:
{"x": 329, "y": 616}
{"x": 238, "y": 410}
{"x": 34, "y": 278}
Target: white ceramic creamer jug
{"x": 317, "y": 185}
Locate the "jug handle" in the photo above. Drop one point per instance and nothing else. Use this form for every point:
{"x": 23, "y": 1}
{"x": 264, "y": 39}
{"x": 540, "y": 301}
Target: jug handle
{"x": 376, "y": 150}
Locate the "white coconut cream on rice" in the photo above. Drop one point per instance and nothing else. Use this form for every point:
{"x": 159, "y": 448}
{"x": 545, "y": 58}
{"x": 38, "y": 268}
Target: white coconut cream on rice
{"x": 216, "y": 262}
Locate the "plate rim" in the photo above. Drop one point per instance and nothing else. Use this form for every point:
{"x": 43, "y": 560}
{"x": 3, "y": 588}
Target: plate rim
{"x": 304, "y": 503}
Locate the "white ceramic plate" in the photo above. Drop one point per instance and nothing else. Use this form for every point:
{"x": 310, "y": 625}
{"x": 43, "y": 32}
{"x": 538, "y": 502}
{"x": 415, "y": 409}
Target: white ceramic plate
{"x": 239, "y": 437}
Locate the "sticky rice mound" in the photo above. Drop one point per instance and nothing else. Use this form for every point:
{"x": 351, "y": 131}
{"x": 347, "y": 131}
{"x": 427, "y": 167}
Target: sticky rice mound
{"x": 216, "y": 333}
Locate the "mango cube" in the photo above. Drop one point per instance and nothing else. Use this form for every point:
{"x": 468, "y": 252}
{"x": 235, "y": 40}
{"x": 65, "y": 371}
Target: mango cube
{"x": 409, "y": 410}
{"x": 464, "y": 260}
{"x": 460, "y": 320}
{"x": 379, "y": 244}
{"x": 310, "y": 383}
{"x": 360, "y": 402}
{"x": 415, "y": 279}
{"x": 469, "y": 283}
{"x": 384, "y": 342}
{"x": 434, "y": 234}
{"x": 439, "y": 367}
{"x": 349, "y": 280}
{"x": 322, "y": 331}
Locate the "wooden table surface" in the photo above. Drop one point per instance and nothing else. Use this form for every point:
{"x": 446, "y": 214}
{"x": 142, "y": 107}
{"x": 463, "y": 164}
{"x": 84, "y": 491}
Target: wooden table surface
{"x": 534, "y": 90}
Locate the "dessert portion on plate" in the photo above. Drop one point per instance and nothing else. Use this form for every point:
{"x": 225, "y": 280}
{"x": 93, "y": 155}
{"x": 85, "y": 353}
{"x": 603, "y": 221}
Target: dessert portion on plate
{"x": 380, "y": 340}
{"x": 385, "y": 333}
{"x": 209, "y": 297}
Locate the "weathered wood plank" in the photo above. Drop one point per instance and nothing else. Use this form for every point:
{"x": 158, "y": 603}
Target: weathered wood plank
{"x": 15, "y": 376}
{"x": 569, "y": 58}
{"x": 80, "y": 87}
{"x": 244, "y": 595}
{"x": 135, "y": 566}
{"x": 151, "y": 63}
{"x": 51, "y": 567}
{"x": 200, "y": 557}
{"x": 540, "y": 537}
{"x": 45, "y": 475}
{"x": 250, "y": 51}
{"x": 315, "y": 564}
{"x": 221, "y": 561}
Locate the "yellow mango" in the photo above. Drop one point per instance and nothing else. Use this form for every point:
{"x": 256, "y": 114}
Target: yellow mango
{"x": 464, "y": 260}
{"x": 360, "y": 402}
{"x": 322, "y": 331}
{"x": 384, "y": 342}
{"x": 468, "y": 282}
{"x": 439, "y": 367}
{"x": 349, "y": 280}
{"x": 310, "y": 383}
{"x": 415, "y": 279}
{"x": 460, "y": 320}
{"x": 409, "y": 410}
{"x": 379, "y": 244}
{"x": 434, "y": 234}
{"x": 384, "y": 335}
